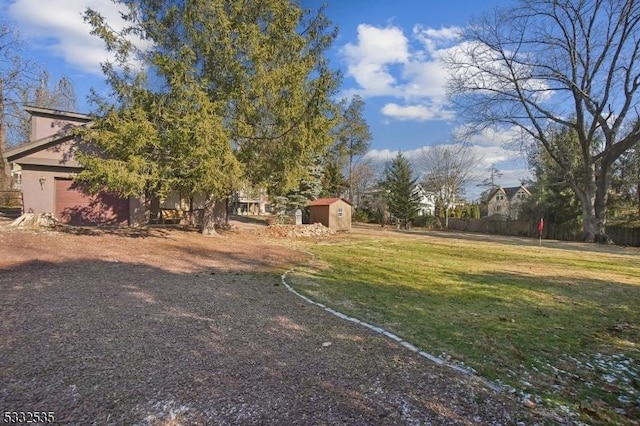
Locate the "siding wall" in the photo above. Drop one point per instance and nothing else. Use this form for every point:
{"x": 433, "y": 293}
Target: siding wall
{"x": 62, "y": 154}
{"x": 340, "y": 223}
{"x": 44, "y": 126}
{"x": 319, "y": 214}
{"x": 37, "y": 198}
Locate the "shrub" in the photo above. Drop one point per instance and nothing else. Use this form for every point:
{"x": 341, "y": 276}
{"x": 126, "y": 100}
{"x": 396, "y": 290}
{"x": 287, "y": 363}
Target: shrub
{"x": 426, "y": 221}
{"x": 361, "y": 215}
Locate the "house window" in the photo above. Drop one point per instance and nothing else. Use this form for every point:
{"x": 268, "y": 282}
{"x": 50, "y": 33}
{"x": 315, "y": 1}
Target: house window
{"x": 498, "y": 208}
{"x": 340, "y": 212}
{"x": 499, "y": 197}
{"x": 16, "y": 180}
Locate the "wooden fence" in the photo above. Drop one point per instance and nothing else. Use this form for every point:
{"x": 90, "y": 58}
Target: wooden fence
{"x": 525, "y": 228}
{"x": 624, "y": 236}
{"x": 10, "y": 203}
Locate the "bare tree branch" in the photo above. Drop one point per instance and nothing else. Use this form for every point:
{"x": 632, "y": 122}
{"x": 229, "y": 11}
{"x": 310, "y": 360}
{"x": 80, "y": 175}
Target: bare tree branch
{"x": 549, "y": 63}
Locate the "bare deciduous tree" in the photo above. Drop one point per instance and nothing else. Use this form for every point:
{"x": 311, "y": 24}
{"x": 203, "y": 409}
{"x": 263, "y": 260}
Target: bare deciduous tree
{"x": 13, "y": 72}
{"x": 363, "y": 179}
{"x": 545, "y": 64}
{"x": 60, "y": 96}
{"x": 446, "y": 171}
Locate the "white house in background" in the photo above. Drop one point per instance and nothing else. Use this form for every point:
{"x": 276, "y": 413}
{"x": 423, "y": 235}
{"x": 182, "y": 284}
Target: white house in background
{"x": 505, "y": 203}
{"x": 427, "y": 202}
{"x": 376, "y": 196}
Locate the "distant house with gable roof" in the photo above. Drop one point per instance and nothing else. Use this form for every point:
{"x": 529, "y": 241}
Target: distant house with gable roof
{"x": 506, "y": 203}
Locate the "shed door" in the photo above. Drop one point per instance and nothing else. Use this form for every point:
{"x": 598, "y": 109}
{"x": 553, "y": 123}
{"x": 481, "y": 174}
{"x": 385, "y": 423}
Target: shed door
{"x": 75, "y": 207}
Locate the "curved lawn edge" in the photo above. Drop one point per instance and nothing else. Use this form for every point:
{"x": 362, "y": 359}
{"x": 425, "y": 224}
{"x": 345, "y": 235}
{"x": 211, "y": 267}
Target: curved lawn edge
{"x": 407, "y": 345}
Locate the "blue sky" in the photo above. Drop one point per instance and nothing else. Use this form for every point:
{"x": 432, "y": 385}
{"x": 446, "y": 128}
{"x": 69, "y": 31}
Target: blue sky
{"x": 387, "y": 50}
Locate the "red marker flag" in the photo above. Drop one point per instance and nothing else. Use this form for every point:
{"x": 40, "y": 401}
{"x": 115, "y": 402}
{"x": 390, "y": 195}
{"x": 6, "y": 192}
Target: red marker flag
{"x": 541, "y": 225}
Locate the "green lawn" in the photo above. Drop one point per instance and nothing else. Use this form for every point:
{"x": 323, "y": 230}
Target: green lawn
{"x": 561, "y": 323}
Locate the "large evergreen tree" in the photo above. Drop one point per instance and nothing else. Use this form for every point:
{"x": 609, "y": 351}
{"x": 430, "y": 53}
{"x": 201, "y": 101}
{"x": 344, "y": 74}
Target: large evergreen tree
{"x": 552, "y": 196}
{"x": 403, "y": 197}
{"x": 333, "y": 182}
{"x": 232, "y": 86}
{"x": 626, "y": 185}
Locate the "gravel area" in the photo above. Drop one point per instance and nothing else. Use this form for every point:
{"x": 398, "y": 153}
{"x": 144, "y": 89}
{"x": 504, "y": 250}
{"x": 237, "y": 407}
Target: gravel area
{"x": 166, "y": 327}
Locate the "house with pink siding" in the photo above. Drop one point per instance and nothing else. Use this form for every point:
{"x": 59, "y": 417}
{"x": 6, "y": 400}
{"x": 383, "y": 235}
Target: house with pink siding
{"x": 43, "y": 169}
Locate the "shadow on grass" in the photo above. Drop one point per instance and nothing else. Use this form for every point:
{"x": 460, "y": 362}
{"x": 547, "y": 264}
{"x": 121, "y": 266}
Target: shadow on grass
{"x": 155, "y": 230}
{"x": 522, "y": 241}
{"x": 117, "y": 342}
{"x": 94, "y": 231}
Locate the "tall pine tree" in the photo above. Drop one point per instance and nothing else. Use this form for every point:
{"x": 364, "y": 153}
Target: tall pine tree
{"x": 233, "y": 87}
{"x": 403, "y": 198}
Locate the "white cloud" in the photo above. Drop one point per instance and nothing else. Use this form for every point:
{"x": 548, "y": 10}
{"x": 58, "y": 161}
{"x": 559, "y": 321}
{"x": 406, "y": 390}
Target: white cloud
{"x": 379, "y": 45}
{"x": 434, "y": 39}
{"x": 490, "y": 136}
{"x": 482, "y": 68}
{"x": 415, "y": 112}
{"x": 506, "y": 145}
{"x": 384, "y": 63}
{"x": 492, "y": 155}
{"x": 58, "y": 27}
{"x": 380, "y": 155}
{"x": 424, "y": 80}
{"x": 368, "y": 61}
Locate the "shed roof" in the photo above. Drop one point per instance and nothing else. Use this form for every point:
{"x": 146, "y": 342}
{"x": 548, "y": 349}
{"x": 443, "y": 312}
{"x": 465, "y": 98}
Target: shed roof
{"x": 327, "y": 201}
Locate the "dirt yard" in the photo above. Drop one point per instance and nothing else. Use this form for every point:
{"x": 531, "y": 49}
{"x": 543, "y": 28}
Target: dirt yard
{"x": 166, "y": 327}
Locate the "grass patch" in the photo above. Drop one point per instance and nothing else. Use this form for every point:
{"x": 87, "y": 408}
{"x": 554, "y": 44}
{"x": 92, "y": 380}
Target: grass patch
{"x": 559, "y": 323}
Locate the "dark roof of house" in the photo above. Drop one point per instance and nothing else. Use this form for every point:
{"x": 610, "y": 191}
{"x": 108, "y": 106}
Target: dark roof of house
{"x": 56, "y": 113}
{"x": 510, "y": 192}
{"x": 327, "y": 201}
{"x": 493, "y": 192}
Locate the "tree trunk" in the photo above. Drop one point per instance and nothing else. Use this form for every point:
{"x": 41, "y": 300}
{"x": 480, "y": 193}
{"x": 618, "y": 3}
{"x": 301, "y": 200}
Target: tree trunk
{"x": 446, "y": 218}
{"x": 208, "y": 225}
{"x": 214, "y": 215}
{"x": 593, "y": 199}
{"x": 589, "y": 221}
{"x": 350, "y": 193}
{"x": 4, "y": 165}
{"x": 638, "y": 196}
{"x": 600, "y": 204}
{"x": 594, "y": 210}
{"x": 5, "y": 180}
